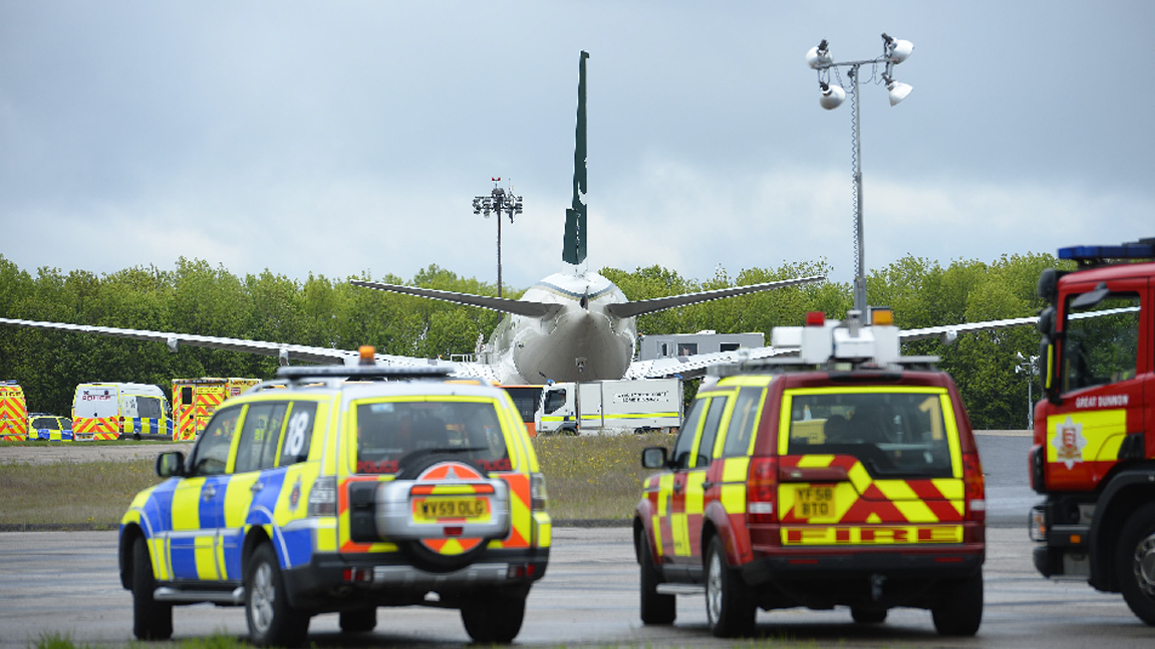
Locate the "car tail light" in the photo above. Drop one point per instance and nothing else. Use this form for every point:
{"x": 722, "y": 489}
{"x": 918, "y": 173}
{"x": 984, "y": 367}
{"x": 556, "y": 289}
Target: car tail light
{"x": 323, "y": 497}
{"x": 974, "y": 488}
{"x": 762, "y": 490}
{"x": 538, "y": 496}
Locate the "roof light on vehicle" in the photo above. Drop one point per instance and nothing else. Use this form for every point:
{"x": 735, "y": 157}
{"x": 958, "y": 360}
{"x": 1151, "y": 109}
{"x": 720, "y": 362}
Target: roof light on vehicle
{"x": 367, "y": 353}
{"x": 815, "y": 318}
{"x": 881, "y": 316}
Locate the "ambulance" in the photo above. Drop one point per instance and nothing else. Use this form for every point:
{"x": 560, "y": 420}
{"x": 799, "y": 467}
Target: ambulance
{"x": 106, "y": 411}
{"x": 195, "y": 400}
{"x": 13, "y": 413}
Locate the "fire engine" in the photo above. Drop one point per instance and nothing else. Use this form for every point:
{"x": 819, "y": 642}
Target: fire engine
{"x": 1092, "y": 457}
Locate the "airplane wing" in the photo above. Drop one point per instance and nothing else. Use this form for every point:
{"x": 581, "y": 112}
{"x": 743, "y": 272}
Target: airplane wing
{"x": 640, "y": 307}
{"x": 689, "y": 367}
{"x": 948, "y": 333}
{"x": 283, "y": 351}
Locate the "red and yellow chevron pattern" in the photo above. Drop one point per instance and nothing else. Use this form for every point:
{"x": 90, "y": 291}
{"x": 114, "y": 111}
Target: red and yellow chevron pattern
{"x": 861, "y": 509}
{"x": 96, "y": 428}
{"x": 13, "y": 414}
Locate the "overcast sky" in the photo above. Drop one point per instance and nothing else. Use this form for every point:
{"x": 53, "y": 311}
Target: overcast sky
{"x": 338, "y": 138}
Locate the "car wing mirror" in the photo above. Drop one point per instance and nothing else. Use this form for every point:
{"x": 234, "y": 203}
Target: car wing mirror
{"x": 170, "y": 464}
{"x": 654, "y": 457}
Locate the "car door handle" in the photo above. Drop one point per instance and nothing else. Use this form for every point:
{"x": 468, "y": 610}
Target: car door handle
{"x": 706, "y": 485}
{"x": 257, "y": 486}
{"x": 208, "y": 492}
{"x": 677, "y": 487}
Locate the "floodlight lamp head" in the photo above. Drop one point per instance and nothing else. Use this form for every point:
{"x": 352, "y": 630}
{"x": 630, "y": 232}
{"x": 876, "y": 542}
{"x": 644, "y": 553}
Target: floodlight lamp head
{"x": 896, "y": 50}
{"x": 819, "y": 57}
{"x": 832, "y": 96}
{"x": 898, "y": 90}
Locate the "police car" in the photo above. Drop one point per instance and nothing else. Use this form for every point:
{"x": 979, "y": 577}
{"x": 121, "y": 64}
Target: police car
{"x": 354, "y": 488}
{"x": 844, "y": 476}
{"x": 43, "y": 426}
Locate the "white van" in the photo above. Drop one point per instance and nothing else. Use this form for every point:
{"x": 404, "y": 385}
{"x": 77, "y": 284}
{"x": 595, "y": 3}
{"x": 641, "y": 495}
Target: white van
{"x": 120, "y": 410}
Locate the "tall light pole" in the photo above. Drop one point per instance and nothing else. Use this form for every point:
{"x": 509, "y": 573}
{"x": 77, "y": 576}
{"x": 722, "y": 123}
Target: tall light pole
{"x": 1028, "y": 365}
{"x": 498, "y": 201}
{"x": 894, "y": 51}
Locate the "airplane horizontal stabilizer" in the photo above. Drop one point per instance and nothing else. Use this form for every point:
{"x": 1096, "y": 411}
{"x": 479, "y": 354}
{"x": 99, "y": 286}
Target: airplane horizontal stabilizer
{"x": 516, "y": 307}
{"x": 631, "y": 309}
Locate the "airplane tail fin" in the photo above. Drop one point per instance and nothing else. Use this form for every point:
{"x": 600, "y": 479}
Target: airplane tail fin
{"x": 574, "y": 243}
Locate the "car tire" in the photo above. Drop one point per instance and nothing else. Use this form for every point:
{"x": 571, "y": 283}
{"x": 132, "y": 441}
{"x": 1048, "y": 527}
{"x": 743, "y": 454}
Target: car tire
{"x": 730, "y": 607}
{"x": 862, "y": 615}
{"x": 362, "y": 621}
{"x": 959, "y": 609}
{"x": 492, "y": 616}
{"x": 151, "y": 620}
{"x": 272, "y": 621}
{"x": 656, "y": 608}
{"x": 1135, "y": 563}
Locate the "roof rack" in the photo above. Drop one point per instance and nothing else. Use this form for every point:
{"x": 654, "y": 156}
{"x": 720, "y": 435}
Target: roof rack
{"x": 367, "y": 372}
{"x": 1090, "y": 256}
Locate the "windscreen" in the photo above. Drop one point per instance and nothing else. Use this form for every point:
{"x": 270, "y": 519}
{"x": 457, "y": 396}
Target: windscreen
{"x": 893, "y": 434}
{"x": 390, "y": 431}
{"x": 1101, "y": 341}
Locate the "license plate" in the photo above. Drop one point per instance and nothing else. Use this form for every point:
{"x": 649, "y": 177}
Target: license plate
{"x": 814, "y": 502}
{"x": 439, "y": 508}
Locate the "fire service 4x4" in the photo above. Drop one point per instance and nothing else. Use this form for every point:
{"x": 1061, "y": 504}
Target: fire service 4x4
{"x": 844, "y": 476}
{"x": 350, "y": 489}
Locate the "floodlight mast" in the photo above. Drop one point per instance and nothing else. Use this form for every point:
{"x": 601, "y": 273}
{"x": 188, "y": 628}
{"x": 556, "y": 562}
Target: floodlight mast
{"x": 832, "y": 95}
{"x": 499, "y": 200}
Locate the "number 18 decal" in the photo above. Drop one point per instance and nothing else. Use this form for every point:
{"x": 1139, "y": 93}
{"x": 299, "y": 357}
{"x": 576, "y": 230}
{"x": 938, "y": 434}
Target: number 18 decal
{"x": 298, "y": 427}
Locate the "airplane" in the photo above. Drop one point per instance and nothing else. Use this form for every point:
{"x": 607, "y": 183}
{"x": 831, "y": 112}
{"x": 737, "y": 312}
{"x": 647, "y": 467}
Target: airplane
{"x": 574, "y": 325}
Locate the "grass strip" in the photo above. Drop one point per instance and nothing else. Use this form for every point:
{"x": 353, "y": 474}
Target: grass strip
{"x": 592, "y": 481}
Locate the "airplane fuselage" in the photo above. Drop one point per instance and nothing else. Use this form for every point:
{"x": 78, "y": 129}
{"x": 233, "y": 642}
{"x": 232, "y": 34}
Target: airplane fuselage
{"x": 579, "y": 341}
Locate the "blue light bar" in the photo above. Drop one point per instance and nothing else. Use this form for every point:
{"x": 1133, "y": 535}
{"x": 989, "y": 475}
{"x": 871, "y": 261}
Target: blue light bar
{"x": 1124, "y": 251}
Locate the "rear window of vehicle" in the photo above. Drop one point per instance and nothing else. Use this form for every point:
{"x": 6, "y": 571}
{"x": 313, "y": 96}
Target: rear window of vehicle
{"x": 893, "y": 434}
{"x": 46, "y": 422}
{"x": 389, "y": 431}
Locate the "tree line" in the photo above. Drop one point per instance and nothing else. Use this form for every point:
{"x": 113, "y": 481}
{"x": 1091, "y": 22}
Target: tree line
{"x": 197, "y": 298}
